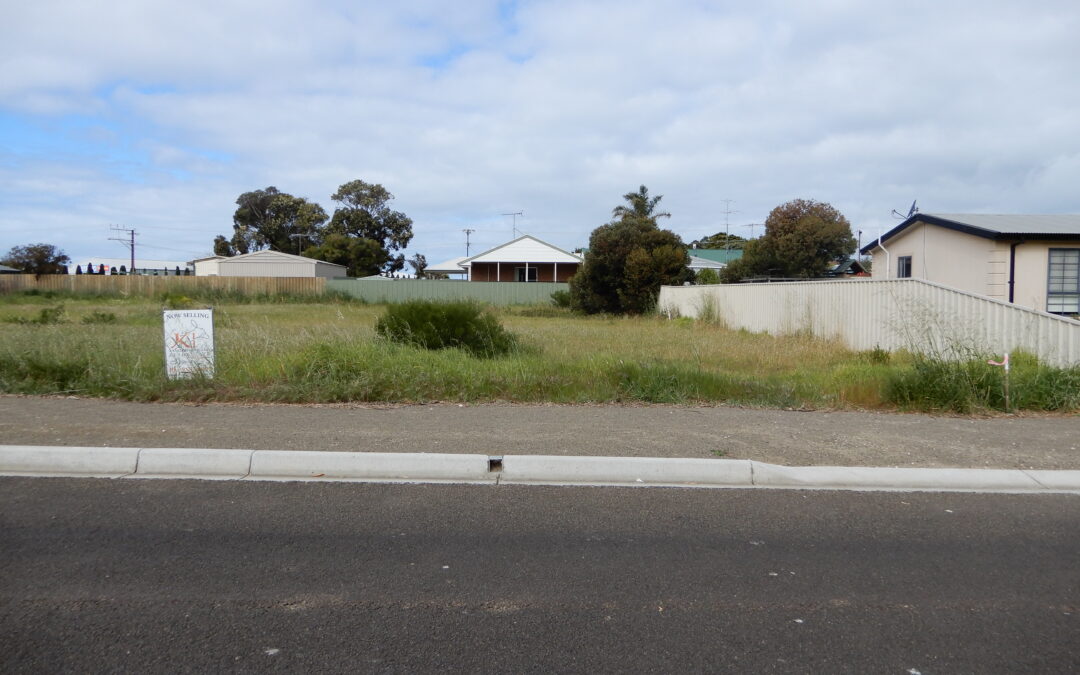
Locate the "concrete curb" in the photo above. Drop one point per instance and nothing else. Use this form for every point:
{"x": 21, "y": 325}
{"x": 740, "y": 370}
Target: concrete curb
{"x": 286, "y": 465}
{"x": 382, "y": 466}
{"x": 563, "y": 470}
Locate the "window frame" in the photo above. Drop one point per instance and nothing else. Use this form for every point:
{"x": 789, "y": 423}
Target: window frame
{"x": 903, "y": 264}
{"x": 530, "y": 276}
{"x": 1062, "y": 279}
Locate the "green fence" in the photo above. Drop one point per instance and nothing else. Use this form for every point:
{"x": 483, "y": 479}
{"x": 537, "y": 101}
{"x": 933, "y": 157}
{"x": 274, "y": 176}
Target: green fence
{"x": 403, "y": 290}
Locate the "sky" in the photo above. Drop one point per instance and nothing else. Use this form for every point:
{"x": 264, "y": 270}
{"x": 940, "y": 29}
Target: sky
{"x": 155, "y": 116}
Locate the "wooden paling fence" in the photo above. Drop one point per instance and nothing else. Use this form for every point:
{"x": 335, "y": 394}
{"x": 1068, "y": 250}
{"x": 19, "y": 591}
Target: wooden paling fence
{"x": 150, "y": 286}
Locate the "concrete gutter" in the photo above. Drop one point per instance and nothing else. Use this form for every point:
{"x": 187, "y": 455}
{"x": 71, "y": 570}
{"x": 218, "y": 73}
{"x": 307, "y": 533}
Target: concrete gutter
{"x": 292, "y": 465}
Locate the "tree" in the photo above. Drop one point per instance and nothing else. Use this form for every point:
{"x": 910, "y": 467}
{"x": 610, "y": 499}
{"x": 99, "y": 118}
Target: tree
{"x": 364, "y": 213}
{"x": 628, "y": 260}
{"x": 90, "y": 268}
{"x": 803, "y": 238}
{"x": 641, "y": 206}
{"x": 362, "y": 257}
{"x": 419, "y": 264}
{"x": 271, "y": 219}
{"x": 720, "y": 240}
{"x": 36, "y": 259}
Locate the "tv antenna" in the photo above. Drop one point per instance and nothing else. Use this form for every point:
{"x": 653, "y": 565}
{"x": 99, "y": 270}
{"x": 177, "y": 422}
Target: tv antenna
{"x": 467, "y": 232}
{"x": 727, "y": 228}
{"x": 129, "y": 242}
{"x": 515, "y": 214}
{"x": 752, "y": 226}
{"x": 912, "y": 211}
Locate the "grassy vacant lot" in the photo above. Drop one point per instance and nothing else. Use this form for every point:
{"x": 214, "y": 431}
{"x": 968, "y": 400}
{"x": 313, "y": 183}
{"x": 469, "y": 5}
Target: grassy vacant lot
{"x": 328, "y": 351}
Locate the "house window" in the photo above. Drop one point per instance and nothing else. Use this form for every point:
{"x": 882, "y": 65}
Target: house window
{"x": 525, "y": 273}
{"x": 1063, "y": 287}
{"x": 903, "y": 267}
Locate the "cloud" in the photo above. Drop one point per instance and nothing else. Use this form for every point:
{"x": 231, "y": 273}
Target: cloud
{"x": 551, "y": 108}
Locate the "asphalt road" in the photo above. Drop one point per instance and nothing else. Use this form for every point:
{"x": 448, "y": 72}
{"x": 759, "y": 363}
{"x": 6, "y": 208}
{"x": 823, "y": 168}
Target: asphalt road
{"x": 201, "y": 576}
{"x": 793, "y": 438}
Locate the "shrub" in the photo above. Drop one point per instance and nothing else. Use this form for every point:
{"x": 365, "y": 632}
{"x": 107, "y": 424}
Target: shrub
{"x": 561, "y": 299}
{"x": 97, "y": 316}
{"x": 433, "y": 325}
{"x": 46, "y": 316}
{"x": 708, "y": 276}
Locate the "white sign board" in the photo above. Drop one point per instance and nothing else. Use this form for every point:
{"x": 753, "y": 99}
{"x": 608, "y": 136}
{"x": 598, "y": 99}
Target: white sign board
{"x": 189, "y": 343}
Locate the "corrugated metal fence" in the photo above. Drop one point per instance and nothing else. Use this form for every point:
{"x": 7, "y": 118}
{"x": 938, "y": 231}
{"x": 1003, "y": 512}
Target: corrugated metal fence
{"x": 890, "y": 314}
{"x": 403, "y": 290}
{"x": 149, "y": 286}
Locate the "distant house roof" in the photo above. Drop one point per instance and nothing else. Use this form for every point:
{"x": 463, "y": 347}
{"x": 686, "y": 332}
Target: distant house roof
{"x": 4, "y": 269}
{"x": 451, "y": 266}
{"x": 525, "y": 248}
{"x": 993, "y": 226}
{"x": 716, "y": 255}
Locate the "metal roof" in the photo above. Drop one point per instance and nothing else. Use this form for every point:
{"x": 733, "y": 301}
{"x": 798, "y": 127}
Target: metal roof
{"x": 994, "y": 226}
{"x": 718, "y": 255}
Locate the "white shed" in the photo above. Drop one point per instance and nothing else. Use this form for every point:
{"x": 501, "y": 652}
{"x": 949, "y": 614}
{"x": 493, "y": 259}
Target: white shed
{"x": 269, "y": 264}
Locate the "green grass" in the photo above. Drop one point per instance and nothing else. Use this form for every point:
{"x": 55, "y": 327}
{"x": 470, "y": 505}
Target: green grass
{"x": 328, "y": 351}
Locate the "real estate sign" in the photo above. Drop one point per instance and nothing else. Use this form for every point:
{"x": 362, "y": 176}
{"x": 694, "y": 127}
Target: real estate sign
{"x": 189, "y": 343}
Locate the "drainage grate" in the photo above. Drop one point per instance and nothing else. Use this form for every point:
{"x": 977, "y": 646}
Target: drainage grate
{"x": 494, "y": 463}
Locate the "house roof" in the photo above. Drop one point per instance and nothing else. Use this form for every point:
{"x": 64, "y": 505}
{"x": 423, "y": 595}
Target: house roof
{"x": 697, "y": 263}
{"x": 451, "y": 266}
{"x": 278, "y": 256}
{"x": 6, "y": 269}
{"x": 525, "y": 248}
{"x": 993, "y": 226}
{"x": 717, "y": 255}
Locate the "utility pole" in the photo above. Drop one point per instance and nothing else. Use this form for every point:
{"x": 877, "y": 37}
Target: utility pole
{"x": 515, "y": 215}
{"x": 130, "y": 243}
{"x": 752, "y": 226}
{"x": 467, "y": 232}
{"x": 298, "y": 237}
{"x": 727, "y": 229}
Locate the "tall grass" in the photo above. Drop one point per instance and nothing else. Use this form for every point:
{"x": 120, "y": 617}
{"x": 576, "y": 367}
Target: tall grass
{"x": 328, "y": 352}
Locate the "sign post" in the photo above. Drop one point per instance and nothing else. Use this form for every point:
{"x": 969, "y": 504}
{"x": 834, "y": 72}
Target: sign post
{"x": 189, "y": 343}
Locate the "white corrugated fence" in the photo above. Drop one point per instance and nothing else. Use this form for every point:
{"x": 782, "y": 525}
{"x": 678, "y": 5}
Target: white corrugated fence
{"x": 890, "y": 314}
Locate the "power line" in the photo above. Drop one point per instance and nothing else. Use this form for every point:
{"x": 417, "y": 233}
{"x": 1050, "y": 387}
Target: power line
{"x": 467, "y": 232}
{"x": 130, "y": 242}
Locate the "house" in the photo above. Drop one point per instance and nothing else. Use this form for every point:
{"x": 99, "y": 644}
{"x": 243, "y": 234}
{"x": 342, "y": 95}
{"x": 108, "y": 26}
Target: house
{"x": 267, "y": 264}
{"x": 4, "y": 269}
{"x": 712, "y": 258}
{"x": 523, "y": 259}
{"x": 1029, "y": 260}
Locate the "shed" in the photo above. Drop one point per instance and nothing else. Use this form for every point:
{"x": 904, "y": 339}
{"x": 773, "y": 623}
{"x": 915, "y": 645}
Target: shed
{"x": 273, "y": 264}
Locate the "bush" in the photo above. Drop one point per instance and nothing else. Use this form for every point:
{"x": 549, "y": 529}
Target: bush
{"x": 46, "y": 316}
{"x": 561, "y": 299}
{"x": 708, "y": 276}
{"x": 433, "y": 325}
{"x": 97, "y": 316}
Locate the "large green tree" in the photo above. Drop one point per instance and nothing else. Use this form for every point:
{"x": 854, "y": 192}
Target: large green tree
{"x": 364, "y": 213}
{"x": 629, "y": 259}
{"x": 36, "y": 259}
{"x": 271, "y": 219}
{"x": 803, "y": 239}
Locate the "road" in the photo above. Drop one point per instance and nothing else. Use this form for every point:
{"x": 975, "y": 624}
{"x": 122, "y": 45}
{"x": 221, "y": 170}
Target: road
{"x": 198, "y": 576}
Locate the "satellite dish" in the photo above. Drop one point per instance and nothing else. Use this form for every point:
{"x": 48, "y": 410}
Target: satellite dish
{"x": 912, "y": 211}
